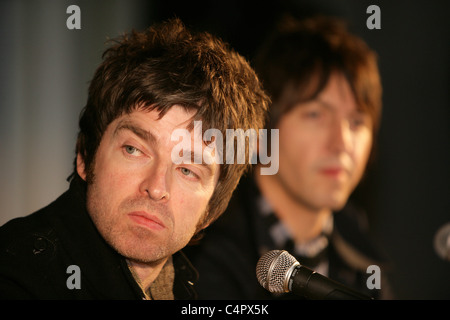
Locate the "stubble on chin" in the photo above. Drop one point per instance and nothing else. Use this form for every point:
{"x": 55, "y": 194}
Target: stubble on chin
{"x": 132, "y": 241}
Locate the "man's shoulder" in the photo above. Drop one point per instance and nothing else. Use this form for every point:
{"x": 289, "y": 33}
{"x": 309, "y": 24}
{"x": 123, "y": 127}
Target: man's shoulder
{"x": 29, "y": 247}
{"x": 32, "y": 230}
{"x": 25, "y": 244}
{"x": 352, "y": 234}
{"x": 39, "y": 225}
{"x": 29, "y": 232}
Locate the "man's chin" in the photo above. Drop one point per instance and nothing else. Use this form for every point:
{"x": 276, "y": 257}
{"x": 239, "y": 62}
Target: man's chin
{"x": 139, "y": 246}
{"x": 337, "y": 203}
{"x": 143, "y": 254}
{"x": 337, "y": 207}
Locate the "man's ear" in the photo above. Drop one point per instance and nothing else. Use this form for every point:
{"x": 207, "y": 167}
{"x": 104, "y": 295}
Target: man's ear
{"x": 81, "y": 168}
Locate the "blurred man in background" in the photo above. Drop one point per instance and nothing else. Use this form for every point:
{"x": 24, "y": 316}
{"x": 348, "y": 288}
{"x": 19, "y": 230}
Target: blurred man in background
{"x": 326, "y": 103}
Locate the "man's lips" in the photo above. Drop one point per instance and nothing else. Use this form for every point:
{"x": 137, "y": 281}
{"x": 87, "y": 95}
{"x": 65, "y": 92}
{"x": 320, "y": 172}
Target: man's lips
{"x": 147, "y": 220}
{"x": 332, "y": 171}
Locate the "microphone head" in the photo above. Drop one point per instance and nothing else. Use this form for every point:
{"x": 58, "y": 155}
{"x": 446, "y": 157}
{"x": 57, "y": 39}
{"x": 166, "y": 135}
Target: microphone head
{"x": 442, "y": 242}
{"x": 274, "y": 270}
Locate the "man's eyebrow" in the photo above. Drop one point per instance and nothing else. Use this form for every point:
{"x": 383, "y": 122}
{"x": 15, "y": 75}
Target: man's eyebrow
{"x": 325, "y": 104}
{"x": 331, "y": 107}
{"x": 141, "y": 133}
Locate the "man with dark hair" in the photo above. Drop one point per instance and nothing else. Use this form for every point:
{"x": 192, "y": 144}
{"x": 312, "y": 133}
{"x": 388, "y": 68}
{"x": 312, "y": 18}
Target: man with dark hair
{"x": 118, "y": 231}
{"x": 326, "y": 103}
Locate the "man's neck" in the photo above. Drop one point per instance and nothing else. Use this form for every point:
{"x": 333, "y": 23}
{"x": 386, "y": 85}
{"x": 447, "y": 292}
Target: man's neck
{"x": 145, "y": 273}
{"x": 303, "y": 223}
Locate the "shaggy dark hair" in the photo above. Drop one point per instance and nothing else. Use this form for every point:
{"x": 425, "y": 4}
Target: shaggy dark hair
{"x": 297, "y": 61}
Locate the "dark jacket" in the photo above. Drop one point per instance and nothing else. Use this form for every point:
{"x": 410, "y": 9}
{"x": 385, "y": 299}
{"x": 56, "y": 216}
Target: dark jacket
{"x": 36, "y": 252}
{"x": 226, "y": 257}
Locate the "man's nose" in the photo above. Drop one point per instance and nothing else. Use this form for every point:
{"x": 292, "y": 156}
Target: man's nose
{"x": 340, "y": 137}
{"x": 155, "y": 183}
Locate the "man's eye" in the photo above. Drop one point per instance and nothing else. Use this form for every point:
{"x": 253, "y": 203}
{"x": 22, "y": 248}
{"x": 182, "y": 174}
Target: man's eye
{"x": 313, "y": 114}
{"x": 358, "y": 122}
{"x": 131, "y": 150}
{"x": 189, "y": 173}
{"x": 185, "y": 171}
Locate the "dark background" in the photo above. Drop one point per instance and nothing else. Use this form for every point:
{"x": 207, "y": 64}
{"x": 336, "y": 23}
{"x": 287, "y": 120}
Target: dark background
{"x": 406, "y": 191}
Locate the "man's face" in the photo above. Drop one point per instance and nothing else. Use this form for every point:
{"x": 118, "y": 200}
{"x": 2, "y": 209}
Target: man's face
{"x": 143, "y": 204}
{"x": 324, "y": 147}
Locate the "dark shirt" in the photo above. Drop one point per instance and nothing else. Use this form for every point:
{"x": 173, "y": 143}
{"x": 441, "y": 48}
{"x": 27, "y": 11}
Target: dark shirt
{"x": 36, "y": 252}
{"x": 226, "y": 257}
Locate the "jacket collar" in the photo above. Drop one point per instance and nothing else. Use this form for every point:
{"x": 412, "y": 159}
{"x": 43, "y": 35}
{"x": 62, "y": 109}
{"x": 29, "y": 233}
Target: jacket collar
{"x": 185, "y": 277}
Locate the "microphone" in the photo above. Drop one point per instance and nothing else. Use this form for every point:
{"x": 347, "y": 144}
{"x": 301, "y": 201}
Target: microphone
{"x": 278, "y": 271}
{"x": 442, "y": 242}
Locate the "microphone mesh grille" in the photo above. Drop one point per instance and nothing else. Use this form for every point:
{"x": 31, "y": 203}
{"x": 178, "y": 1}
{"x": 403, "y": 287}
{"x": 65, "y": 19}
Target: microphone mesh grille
{"x": 263, "y": 265}
{"x": 442, "y": 242}
{"x": 272, "y": 269}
